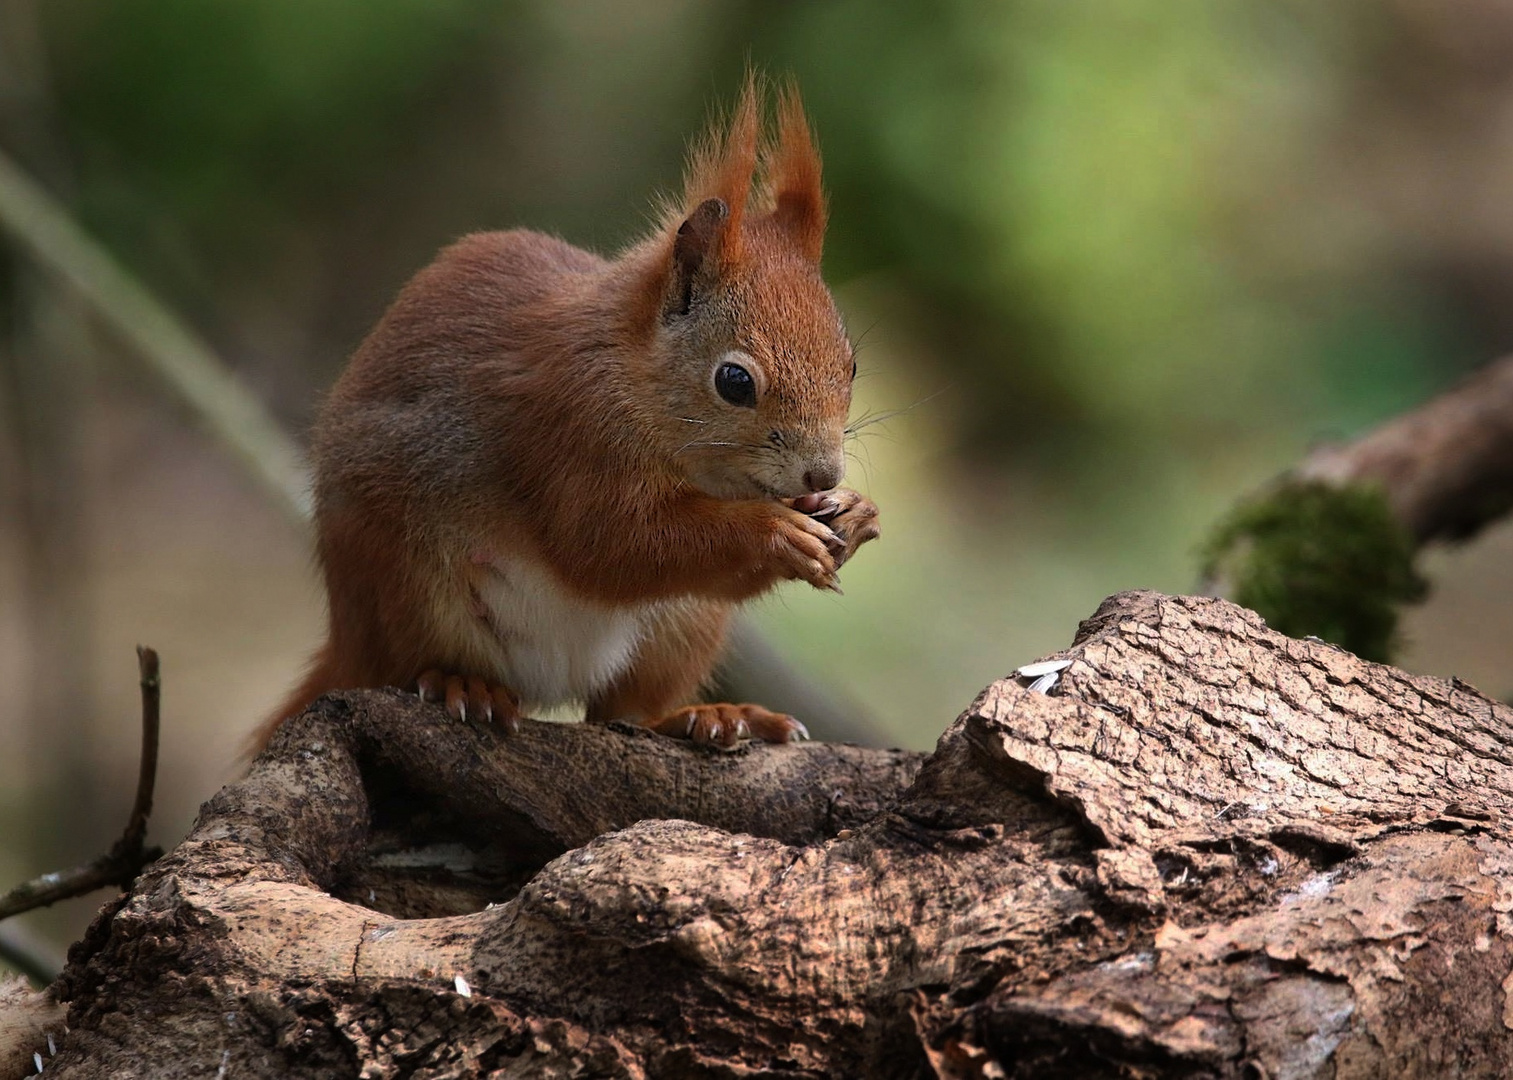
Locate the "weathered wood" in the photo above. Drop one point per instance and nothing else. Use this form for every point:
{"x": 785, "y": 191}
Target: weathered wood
{"x": 27, "y": 1018}
{"x": 1210, "y": 851}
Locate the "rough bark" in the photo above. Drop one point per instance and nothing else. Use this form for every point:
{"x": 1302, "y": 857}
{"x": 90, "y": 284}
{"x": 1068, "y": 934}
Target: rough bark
{"x": 1446, "y": 467}
{"x": 1209, "y": 851}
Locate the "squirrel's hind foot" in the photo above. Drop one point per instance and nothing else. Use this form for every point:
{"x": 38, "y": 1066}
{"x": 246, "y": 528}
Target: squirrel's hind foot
{"x": 471, "y": 696}
{"x": 725, "y": 725}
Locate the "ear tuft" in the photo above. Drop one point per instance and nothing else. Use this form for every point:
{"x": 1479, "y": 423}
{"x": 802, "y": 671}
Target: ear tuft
{"x": 792, "y": 172}
{"x": 698, "y": 238}
{"x": 722, "y": 162}
{"x": 742, "y": 176}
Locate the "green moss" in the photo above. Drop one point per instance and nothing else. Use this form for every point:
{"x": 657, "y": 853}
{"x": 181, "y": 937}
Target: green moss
{"x": 1313, "y": 559}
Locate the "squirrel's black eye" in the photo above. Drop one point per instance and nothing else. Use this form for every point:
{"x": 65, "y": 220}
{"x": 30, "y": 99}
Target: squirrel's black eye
{"x": 853, "y": 371}
{"x": 735, "y": 384}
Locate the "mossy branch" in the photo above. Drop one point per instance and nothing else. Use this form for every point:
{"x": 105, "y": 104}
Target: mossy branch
{"x": 1329, "y": 550}
{"x": 1317, "y": 560}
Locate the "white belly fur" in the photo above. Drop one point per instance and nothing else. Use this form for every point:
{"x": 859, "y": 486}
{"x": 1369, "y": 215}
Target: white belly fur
{"x": 548, "y": 645}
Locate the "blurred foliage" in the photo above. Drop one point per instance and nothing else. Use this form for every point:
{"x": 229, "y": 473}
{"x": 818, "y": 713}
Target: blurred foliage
{"x": 1314, "y": 559}
{"x": 1118, "y": 211}
{"x": 1101, "y": 211}
{"x": 210, "y": 134}
{"x": 1123, "y": 259}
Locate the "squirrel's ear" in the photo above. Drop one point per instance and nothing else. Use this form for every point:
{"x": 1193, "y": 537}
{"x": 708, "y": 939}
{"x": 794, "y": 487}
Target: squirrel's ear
{"x": 696, "y": 253}
{"x": 793, "y": 177}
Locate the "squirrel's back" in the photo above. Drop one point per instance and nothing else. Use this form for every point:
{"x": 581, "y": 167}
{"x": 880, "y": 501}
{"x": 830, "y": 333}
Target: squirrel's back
{"x": 456, "y": 373}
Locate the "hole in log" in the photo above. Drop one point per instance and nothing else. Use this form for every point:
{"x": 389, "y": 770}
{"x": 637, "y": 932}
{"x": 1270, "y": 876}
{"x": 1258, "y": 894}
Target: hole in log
{"x": 422, "y": 860}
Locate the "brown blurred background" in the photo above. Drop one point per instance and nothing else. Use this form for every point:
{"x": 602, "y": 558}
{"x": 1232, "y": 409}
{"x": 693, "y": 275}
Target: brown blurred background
{"x": 1125, "y": 261}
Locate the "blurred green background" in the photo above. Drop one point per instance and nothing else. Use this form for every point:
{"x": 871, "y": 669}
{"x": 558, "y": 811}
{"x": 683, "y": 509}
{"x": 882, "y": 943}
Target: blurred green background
{"x": 1119, "y": 262}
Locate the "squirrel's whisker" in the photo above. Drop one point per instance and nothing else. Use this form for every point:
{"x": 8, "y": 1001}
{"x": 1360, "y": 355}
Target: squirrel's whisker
{"x": 869, "y": 418}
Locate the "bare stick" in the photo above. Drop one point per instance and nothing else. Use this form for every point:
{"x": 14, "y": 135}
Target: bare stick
{"x": 127, "y": 856}
{"x": 147, "y": 771}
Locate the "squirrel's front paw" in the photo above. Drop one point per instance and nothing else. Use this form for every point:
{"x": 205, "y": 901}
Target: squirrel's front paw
{"x": 849, "y": 514}
{"x": 473, "y": 697}
{"x": 808, "y": 549}
{"x": 725, "y": 725}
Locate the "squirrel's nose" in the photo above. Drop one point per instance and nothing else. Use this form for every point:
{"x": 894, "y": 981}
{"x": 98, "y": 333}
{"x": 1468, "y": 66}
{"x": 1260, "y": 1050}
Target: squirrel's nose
{"x": 822, "y": 478}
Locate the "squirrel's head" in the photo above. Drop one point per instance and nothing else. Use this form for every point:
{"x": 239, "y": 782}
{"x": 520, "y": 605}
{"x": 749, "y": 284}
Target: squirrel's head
{"x": 748, "y": 352}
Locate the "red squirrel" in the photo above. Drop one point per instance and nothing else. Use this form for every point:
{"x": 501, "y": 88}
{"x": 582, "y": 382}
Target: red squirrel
{"x": 548, "y": 477}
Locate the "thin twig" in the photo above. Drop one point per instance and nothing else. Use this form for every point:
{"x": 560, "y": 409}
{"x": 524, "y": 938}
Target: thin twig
{"x": 127, "y": 856}
{"x": 147, "y": 770}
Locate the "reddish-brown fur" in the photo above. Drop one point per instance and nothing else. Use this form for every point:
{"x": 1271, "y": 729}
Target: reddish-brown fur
{"x": 527, "y": 403}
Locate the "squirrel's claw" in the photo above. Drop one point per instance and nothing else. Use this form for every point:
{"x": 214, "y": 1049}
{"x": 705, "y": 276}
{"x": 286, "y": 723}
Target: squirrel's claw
{"x": 853, "y": 521}
{"x": 506, "y": 711}
{"x": 807, "y": 549}
{"x": 471, "y": 696}
{"x": 724, "y": 725}
{"x": 431, "y": 686}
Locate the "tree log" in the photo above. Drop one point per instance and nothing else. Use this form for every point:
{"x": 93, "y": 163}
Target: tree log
{"x": 1208, "y": 851}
